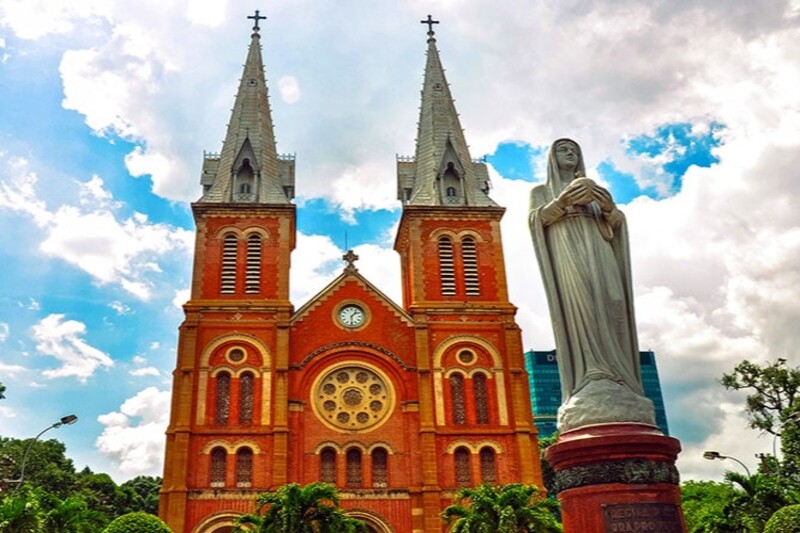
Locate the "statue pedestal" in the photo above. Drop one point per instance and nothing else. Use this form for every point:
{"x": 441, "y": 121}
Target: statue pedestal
{"x": 617, "y": 477}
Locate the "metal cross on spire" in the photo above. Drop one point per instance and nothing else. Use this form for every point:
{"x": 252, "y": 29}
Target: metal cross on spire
{"x": 256, "y": 18}
{"x": 430, "y": 22}
{"x": 350, "y": 257}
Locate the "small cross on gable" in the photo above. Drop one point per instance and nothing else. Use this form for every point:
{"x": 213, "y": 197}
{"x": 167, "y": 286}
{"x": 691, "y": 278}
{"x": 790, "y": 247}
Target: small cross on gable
{"x": 350, "y": 257}
{"x": 430, "y": 22}
{"x": 256, "y": 18}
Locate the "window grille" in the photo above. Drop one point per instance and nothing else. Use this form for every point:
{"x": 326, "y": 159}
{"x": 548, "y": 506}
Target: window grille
{"x": 246, "y": 398}
{"x": 253, "y": 272}
{"x": 457, "y": 398}
{"x": 488, "y": 466}
{"x": 228, "y": 275}
{"x": 380, "y": 470}
{"x": 218, "y": 458}
{"x": 244, "y": 467}
{"x": 446, "y": 271}
{"x": 353, "y": 467}
{"x": 469, "y": 257}
{"x": 462, "y": 468}
{"x": 481, "y": 398}
{"x": 223, "y": 403}
{"x": 327, "y": 467}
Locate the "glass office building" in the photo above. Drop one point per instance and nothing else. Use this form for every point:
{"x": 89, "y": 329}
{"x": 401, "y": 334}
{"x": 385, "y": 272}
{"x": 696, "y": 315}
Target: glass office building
{"x": 545, "y": 388}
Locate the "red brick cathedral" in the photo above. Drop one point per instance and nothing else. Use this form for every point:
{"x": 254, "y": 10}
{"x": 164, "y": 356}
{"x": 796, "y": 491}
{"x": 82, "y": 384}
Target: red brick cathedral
{"x": 397, "y": 405}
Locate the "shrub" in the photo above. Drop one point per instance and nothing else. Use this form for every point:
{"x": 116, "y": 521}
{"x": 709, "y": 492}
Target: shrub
{"x": 784, "y": 520}
{"x": 138, "y": 522}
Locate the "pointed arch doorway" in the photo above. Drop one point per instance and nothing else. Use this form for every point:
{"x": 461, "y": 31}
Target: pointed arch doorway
{"x": 374, "y": 522}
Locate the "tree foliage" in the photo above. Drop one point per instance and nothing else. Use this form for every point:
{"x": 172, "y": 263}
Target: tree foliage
{"x": 514, "y": 508}
{"x": 313, "y": 508}
{"x": 784, "y": 520}
{"x": 705, "y": 506}
{"x": 137, "y": 522}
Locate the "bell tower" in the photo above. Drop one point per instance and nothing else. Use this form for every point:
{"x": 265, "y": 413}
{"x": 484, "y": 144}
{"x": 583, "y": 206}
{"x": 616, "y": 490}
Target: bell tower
{"x": 227, "y": 436}
{"x": 468, "y": 345}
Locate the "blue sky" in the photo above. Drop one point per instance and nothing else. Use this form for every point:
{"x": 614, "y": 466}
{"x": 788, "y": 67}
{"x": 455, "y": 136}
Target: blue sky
{"x": 106, "y": 111}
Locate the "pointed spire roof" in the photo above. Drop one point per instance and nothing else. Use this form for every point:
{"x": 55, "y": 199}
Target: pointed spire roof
{"x": 440, "y": 144}
{"x": 250, "y": 136}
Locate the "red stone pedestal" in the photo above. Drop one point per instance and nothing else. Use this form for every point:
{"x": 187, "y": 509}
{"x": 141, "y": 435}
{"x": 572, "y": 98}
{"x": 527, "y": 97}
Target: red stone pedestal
{"x": 617, "y": 478}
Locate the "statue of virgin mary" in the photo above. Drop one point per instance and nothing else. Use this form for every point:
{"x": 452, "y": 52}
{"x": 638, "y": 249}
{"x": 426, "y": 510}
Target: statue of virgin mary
{"x": 581, "y": 244}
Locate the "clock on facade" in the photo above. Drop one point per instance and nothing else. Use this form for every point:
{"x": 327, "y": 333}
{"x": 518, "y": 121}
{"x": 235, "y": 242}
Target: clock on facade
{"x": 351, "y": 316}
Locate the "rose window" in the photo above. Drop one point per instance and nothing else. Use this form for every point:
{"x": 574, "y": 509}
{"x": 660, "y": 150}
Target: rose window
{"x": 354, "y": 398}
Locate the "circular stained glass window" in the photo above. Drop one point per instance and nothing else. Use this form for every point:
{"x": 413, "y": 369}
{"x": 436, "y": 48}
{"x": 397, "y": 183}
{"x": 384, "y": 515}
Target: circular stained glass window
{"x": 352, "y": 397}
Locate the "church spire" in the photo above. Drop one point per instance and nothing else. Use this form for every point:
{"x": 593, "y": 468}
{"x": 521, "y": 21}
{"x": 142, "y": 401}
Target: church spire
{"x": 249, "y": 168}
{"x": 442, "y": 171}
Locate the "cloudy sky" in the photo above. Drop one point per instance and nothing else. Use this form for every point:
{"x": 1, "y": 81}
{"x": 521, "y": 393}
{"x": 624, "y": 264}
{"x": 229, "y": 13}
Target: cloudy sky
{"x": 688, "y": 110}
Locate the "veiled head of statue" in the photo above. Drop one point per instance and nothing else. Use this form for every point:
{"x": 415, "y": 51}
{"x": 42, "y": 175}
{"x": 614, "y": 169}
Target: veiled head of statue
{"x": 565, "y": 163}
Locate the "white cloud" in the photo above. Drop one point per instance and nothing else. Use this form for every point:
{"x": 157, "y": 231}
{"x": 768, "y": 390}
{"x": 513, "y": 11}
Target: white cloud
{"x": 155, "y": 345}
{"x": 145, "y": 371}
{"x": 4, "y": 331}
{"x": 7, "y": 412}
{"x": 289, "y": 89}
{"x": 134, "y": 435}
{"x": 12, "y": 370}
{"x": 138, "y": 360}
{"x": 63, "y": 340}
{"x": 180, "y": 298}
{"x": 91, "y": 237}
{"x": 120, "y": 308}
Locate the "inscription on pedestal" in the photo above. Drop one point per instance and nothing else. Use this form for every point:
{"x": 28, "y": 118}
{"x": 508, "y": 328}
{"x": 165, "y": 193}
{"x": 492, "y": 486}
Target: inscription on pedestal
{"x": 642, "y": 517}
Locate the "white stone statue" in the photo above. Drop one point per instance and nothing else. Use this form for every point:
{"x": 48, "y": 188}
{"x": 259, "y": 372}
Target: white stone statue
{"x": 581, "y": 242}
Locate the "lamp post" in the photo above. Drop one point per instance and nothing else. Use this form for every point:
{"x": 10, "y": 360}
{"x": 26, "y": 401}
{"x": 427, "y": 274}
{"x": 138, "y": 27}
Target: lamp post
{"x": 64, "y": 420}
{"x": 711, "y": 455}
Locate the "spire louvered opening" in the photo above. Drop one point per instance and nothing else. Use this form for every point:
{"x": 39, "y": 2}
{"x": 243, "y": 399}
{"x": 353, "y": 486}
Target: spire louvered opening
{"x": 253, "y": 272}
{"x": 481, "y": 398}
{"x": 246, "y": 398}
{"x": 223, "y": 399}
{"x": 228, "y": 274}
{"x": 447, "y": 273}
{"x": 457, "y": 399}
{"x": 469, "y": 257}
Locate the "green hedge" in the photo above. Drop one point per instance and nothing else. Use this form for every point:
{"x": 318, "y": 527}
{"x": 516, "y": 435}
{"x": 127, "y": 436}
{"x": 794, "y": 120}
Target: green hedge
{"x": 784, "y": 520}
{"x": 137, "y": 523}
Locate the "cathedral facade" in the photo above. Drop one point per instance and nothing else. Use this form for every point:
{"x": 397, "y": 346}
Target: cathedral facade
{"x": 397, "y": 404}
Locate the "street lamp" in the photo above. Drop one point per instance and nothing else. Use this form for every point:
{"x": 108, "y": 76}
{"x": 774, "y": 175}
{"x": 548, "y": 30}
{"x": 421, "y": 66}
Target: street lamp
{"x": 64, "y": 420}
{"x": 711, "y": 455}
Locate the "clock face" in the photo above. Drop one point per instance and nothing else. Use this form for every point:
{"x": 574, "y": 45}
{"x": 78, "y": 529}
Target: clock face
{"x": 351, "y": 316}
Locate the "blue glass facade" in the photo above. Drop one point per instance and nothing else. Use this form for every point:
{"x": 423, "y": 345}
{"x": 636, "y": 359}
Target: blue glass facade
{"x": 545, "y": 386}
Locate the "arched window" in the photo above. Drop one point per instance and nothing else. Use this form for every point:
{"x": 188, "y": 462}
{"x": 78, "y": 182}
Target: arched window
{"x": 457, "y": 398}
{"x": 218, "y": 458}
{"x": 246, "y": 398}
{"x": 447, "y": 274}
{"x": 228, "y": 273}
{"x": 245, "y": 188}
{"x": 244, "y": 467}
{"x": 488, "y": 466}
{"x": 353, "y": 459}
{"x": 327, "y": 465}
{"x": 223, "y": 401}
{"x": 380, "y": 468}
{"x": 450, "y": 192}
{"x": 462, "y": 467}
{"x": 481, "y": 398}
{"x": 252, "y": 283}
{"x": 469, "y": 257}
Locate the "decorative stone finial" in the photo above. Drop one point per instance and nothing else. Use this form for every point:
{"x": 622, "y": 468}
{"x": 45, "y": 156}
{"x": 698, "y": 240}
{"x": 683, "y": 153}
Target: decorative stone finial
{"x": 350, "y": 258}
{"x": 430, "y": 22}
{"x": 256, "y": 18}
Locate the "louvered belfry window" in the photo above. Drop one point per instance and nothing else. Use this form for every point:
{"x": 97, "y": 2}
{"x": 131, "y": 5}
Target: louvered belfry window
{"x": 462, "y": 468}
{"x": 246, "y": 398}
{"x": 353, "y": 467}
{"x": 223, "y": 400}
{"x": 457, "y": 398}
{"x": 488, "y": 466}
{"x": 244, "y": 467}
{"x": 218, "y": 457}
{"x": 253, "y": 271}
{"x": 380, "y": 470}
{"x": 481, "y": 398}
{"x": 327, "y": 467}
{"x": 447, "y": 273}
{"x": 469, "y": 257}
{"x": 228, "y": 275}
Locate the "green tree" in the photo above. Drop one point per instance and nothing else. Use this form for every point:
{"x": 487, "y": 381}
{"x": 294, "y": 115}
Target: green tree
{"x": 72, "y": 515}
{"x": 757, "y": 498}
{"x": 47, "y": 465}
{"x": 514, "y": 508}
{"x": 313, "y": 508}
{"x": 146, "y": 489}
{"x": 137, "y": 522}
{"x": 773, "y": 404}
{"x": 20, "y": 512}
{"x": 705, "y": 507}
{"x": 2, "y": 391}
{"x": 548, "y": 474}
